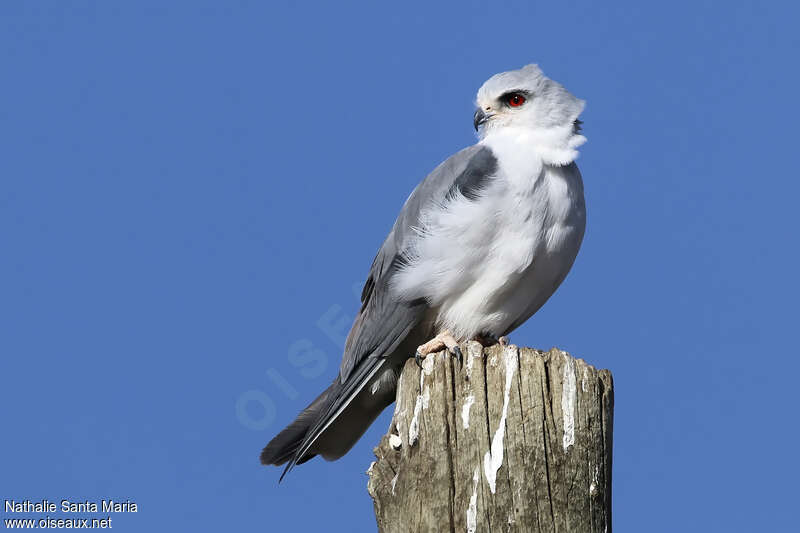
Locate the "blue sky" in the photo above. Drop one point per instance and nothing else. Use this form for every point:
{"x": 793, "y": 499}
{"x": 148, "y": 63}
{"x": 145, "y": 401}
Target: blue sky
{"x": 190, "y": 192}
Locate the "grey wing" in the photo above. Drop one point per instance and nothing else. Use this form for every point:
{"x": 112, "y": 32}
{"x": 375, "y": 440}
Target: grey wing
{"x": 382, "y": 316}
{"x": 384, "y": 321}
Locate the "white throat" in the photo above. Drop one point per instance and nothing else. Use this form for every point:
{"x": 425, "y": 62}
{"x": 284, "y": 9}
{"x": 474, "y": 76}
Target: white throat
{"x": 556, "y": 146}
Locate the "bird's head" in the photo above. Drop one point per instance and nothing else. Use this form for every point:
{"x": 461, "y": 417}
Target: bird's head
{"x": 525, "y": 100}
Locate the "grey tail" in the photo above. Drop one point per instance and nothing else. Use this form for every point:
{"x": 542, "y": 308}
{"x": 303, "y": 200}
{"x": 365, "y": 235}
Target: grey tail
{"x": 286, "y": 444}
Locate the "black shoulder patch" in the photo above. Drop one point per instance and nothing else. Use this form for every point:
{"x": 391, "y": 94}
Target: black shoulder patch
{"x": 480, "y": 169}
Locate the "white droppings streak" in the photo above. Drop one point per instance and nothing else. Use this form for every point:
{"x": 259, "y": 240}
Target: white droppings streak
{"x": 465, "y": 410}
{"x": 398, "y": 421}
{"x": 427, "y": 368}
{"x": 426, "y": 396}
{"x": 568, "y": 393}
{"x": 470, "y": 360}
{"x": 394, "y": 482}
{"x": 413, "y": 427}
{"x": 422, "y": 399}
{"x": 395, "y": 441}
{"x": 494, "y": 457}
{"x": 399, "y": 391}
{"x": 472, "y": 510}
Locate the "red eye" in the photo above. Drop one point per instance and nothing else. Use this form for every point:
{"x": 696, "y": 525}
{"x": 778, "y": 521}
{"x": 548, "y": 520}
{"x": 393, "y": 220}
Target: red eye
{"x": 515, "y": 100}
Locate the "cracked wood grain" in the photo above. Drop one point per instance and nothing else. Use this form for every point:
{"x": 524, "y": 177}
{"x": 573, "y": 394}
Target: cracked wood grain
{"x": 514, "y": 440}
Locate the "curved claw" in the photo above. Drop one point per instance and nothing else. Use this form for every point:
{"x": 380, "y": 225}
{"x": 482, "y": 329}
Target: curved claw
{"x": 458, "y": 355}
{"x": 418, "y": 359}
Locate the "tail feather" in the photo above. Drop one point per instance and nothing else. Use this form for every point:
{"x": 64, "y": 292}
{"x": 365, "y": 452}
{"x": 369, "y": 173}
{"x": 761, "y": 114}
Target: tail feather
{"x": 293, "y": 445}
{"x": 286, "y": 444}
{"x": 296, "y": 444}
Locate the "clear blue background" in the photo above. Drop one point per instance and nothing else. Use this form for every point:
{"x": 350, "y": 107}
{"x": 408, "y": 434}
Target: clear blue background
{"x": 190, "y": 191}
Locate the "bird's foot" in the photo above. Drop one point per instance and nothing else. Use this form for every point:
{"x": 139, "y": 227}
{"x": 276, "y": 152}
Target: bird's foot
{"x": 490, "y": 340}
{"x": 443, "y": 340}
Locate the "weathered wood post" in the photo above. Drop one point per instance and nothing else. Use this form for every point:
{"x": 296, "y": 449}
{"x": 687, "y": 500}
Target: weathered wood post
{"x": 514, "y": 440}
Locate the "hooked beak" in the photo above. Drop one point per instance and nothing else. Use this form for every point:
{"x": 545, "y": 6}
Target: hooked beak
{"x": 479, "y": 118}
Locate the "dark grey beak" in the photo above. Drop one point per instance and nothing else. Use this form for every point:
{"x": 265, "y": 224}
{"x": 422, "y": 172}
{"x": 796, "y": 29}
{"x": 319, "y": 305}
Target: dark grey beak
{"x": 479, "y": 118}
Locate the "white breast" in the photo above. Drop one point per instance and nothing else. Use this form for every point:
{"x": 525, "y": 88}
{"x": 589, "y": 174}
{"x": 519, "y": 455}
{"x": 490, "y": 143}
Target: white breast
{"x": 487, "y": 265}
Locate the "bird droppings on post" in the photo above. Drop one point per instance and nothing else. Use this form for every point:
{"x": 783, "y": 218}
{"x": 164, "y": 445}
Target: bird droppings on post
{"x": 427, "y": 367}
{"x": 465, "y": 410}
{"x": 583, "y": 380}
{"x": 399, "y": 390}
{"x": 494, "y": 457}
{"x": 442, "y": 486}
{"x": 474, "y": 350}
{"x": 413, "y": 427}
{"x": 568, "y": 393}
{"x": 395, "y": 441}
{"x": 472, "y": 510}
{"x": 422, "y": 399}
{"x": 400, "y": 412}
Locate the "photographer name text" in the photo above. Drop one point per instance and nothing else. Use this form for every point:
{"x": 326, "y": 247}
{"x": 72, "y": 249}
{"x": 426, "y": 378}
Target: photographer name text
{"x": 67, "y": 506}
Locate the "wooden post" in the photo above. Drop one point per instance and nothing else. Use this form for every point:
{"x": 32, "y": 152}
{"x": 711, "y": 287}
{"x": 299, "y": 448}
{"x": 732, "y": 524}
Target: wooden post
{"x": 514, "y": 440}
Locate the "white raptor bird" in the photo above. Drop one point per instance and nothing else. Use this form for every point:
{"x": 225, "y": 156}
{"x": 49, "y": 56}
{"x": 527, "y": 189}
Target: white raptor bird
{"x": 479, "y": 247}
